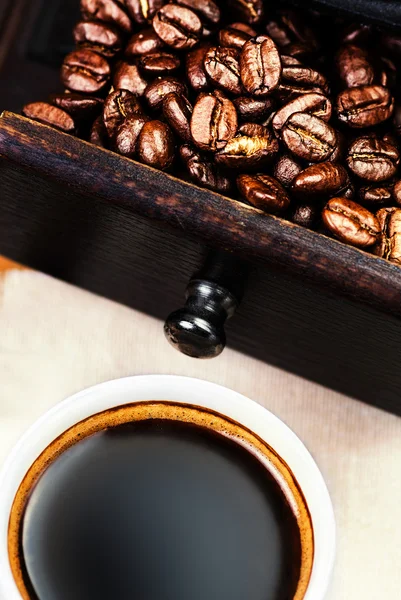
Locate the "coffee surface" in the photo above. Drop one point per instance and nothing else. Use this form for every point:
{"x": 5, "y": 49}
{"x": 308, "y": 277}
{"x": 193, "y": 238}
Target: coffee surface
{"x": 160, "y": 510}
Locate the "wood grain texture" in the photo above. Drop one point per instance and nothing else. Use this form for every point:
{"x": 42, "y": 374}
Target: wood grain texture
{"x": 211, "y": 218}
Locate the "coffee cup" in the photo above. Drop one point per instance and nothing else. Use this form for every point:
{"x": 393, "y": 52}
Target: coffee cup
{"x": 226, "y": 498}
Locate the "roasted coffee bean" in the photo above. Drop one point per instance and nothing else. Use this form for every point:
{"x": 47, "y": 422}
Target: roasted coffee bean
{"x": 290, "y": 61}
{"x": 85, "y": 71}
{"x": 365, "y": 106}
{"x": 260, "y": 66}
{"x": 299, "y": 50}
{"x": 207, "y": 10}
{"x": 249, "y": 11}
{"x": 253, "y": 109}
{"x": 143, "y": 42}
{"x": 305, "y": 215}
{"x": 128, "y": 77}
{"x": 340, "y": 149}
{"x": 142, "y": 11}
{"x": 245, "y": 27}
{"x": 177, "y": 111}
{"x": 254, "y": 130}
{"x": 264, "y": 192}
{"x": 50, "y": 115}
{"x": 376, "y": 195}
{"x": 309, "y": 137}
{"x": 353, "y": 66}
{"x": 109, "y": 11}
{"x": 304, "y": 78}
{"x": 396, "y": 192}
{"x": 118, "y": 106}
{"x": 296, "y": 80}
{"x": 389, "y": 244}
{"x": 100, "y": 37}
{"x": 252, "y": 148}
{"x": 214, "y": 121}
{"x": 156, "y": 145}
{"x": 356, "y": 33}
{"x": 98, "y": 133}
{"x": 195, "y": 69}
{"x": 286, "y": 92}
{"x": 373, "y": 159}
{"x": 290, "y": 28}
{"x": 177, "y": 26}
{"x": 279, "y": 33}
{"x": 351, "y": 222}
{"x": 158, "y": 63}
{"x": 387, "y": 72}
{"x": 321, "y": 180}
{"x": 313, "y": 104}
{"x": 233, "y": 38}
{"x": 286, "y": 169}
{"x": 391, "y": 139}
{"x": 80, "y": 107}
{"x": 126, "y": 138}
{"x": 160, "y": 87}
{"x": 202, "y": 171}
{"x": 222, "y": 67}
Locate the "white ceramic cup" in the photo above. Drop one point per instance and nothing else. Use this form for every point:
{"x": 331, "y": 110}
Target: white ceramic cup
{"x": 180, "y": 390}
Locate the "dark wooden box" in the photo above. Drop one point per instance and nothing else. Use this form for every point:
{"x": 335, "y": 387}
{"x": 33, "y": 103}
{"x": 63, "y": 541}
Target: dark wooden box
{"x": 313, "y": 306}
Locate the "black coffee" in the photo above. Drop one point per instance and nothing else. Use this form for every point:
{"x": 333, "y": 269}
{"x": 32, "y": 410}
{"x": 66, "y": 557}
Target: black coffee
{"x": 159, "y": 510}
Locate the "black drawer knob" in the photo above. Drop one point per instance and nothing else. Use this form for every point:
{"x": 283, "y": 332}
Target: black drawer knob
{"x": 212, "y": 296}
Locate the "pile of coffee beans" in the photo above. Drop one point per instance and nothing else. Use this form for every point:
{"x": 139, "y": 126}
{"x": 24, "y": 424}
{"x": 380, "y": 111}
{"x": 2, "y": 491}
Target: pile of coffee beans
{"x": 295, "y": 113}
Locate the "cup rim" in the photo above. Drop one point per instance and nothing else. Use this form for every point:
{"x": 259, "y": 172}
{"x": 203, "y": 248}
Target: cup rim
{"x": 186, "y": 390}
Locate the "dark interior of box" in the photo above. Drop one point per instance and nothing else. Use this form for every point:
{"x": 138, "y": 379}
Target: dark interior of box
{"x": 34, "y": 38}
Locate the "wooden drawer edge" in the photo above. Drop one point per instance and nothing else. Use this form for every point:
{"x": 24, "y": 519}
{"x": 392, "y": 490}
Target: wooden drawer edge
{"x": 210, "y": 217}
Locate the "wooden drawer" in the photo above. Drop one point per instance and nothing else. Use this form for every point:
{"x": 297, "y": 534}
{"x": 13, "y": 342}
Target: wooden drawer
{"x": 312, "y": 305}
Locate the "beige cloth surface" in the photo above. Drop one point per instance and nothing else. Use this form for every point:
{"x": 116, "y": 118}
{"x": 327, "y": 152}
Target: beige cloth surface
{"x": 56, "y": 340}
